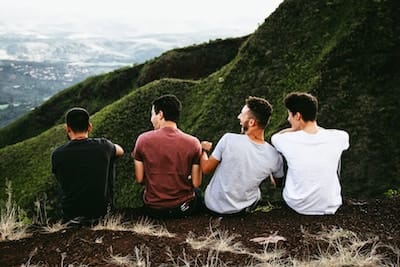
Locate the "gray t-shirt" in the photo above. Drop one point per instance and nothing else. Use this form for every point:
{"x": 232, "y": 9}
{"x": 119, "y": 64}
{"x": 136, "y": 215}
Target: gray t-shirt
{"x": 243, "y": 166}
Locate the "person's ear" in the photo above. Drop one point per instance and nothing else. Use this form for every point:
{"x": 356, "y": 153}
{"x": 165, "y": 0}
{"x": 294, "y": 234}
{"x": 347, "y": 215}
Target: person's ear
{"x": 252, "y": 122}
{"x": 161, "y": 114}
{"x": 298, "y": 116}
{"x": 90, "y": 127}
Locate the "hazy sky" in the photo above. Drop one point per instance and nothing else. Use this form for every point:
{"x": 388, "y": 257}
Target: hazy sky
{"x": 145, "y": 16}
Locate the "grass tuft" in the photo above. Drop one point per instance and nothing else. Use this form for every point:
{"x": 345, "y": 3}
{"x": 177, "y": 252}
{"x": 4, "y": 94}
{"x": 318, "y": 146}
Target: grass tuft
{"x": 216, "y": 240}
{"x": 53, "y": 228}
{"x": 147, "y": 227}
{"x": 140, "y": 259}
{"x": 345, "y": 248}
{"x": 143, "y": 226}
{"x": 112, "y": 223}
{"x": 11, "y": 226}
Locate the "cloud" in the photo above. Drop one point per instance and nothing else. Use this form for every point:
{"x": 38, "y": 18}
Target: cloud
{"x": 145, "y": 16}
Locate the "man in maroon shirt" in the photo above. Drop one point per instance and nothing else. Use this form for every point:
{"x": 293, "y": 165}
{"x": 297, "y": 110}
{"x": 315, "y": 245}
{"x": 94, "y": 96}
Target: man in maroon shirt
{"x": 167, "y": 162}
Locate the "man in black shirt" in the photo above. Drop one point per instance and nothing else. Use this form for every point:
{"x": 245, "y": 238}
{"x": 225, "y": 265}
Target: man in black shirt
{"x": 84, "y": 169}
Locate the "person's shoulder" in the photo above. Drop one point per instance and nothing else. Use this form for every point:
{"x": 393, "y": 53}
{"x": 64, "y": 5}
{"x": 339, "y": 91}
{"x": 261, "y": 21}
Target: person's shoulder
{"x": 99, "y": 140}
{"x": 337, "y": 132}
{"x": 60, "y": 148}
{"x": 233, "y": 136}
{"x": 282, "y": 134}
{"x": 147, "y": 135}
{"x": 189, "y": 137}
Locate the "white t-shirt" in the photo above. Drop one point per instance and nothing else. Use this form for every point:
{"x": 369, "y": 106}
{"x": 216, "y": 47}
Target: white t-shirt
{"x": 243, "y": 166}
{"x": 312, "y": 185}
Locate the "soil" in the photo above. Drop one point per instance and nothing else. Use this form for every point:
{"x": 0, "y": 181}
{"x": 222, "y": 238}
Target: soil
{"x": 296, "y": 235}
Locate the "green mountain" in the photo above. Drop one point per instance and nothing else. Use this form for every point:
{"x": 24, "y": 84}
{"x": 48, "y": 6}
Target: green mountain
{"x": 96, "y": 92}
{"x": 344, "y": 52}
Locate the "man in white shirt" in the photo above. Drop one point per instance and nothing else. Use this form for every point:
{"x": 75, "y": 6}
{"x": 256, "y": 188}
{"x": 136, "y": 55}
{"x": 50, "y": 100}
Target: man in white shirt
{"x": 240, "y": 162}
{"x": 312, "y": 185}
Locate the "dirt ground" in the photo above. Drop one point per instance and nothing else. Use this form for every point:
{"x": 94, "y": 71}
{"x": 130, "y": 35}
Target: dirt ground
{"x": 296, "y": 235}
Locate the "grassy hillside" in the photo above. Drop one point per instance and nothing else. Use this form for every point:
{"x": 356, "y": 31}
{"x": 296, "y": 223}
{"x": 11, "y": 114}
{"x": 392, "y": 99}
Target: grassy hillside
{"x": 193, "y": 62}
{"x": 345, "y": 52}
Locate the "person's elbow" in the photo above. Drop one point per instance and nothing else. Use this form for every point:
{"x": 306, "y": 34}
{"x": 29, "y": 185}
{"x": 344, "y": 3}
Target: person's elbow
{"x": 119, "y": 151}
{"x": 196, "y": 183}
{"x": 139, "y": 180}
{"x": 205, "y": 169}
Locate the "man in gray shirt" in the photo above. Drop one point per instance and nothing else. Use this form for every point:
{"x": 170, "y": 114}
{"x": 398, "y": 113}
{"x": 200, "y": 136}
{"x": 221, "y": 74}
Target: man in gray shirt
{"x": 240, "y": 162}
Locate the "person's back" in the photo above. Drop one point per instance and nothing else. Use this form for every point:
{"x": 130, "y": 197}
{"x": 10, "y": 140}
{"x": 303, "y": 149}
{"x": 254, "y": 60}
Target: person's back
{"x": 84, "y": 169}
{"x": 312, "y": 185}
{"x": 243, "y": 166}
{"x": 168, "y": 154}
{"x": 313, "y": 155}
{"x": 241, "y": 162}
{"x": 167, "y": 162}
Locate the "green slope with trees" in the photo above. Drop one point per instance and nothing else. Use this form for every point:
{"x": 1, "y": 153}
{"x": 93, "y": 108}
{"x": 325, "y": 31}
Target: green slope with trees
{"x": 193, "y": 62}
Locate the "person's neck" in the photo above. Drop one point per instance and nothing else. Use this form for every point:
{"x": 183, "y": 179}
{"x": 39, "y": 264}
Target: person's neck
{"x": 310, "y": 127}
{"x": 170, "y": 124}
{"x": 78, "y": 136}
{"x": 257, "y": 136}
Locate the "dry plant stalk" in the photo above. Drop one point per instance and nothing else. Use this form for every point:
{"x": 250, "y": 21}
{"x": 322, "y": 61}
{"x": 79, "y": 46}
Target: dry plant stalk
{"x": 11, "y": 228}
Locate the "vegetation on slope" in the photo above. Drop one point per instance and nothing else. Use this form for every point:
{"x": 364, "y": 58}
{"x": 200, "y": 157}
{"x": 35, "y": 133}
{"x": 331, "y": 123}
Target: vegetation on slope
{"x": 193, "y": 62}
{"x": 345, "y": 52}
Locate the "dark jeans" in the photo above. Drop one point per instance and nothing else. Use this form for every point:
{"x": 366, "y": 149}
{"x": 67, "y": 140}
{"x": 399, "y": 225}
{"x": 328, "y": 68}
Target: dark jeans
{"x": 185, "y": 209}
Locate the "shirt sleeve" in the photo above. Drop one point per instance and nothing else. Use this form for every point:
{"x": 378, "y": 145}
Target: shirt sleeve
{"x": 137, "y": 151}
{"x": 113, "y": 150}
{"x": 196, "y": 158}
{"x": 346, "y": 143}
{"x": 275, "y": 141}
{"x": 219, "y": 148}
{"x": 278, "y": 172}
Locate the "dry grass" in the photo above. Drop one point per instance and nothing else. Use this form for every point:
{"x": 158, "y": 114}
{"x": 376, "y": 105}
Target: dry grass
{"x": 140, "y": 259}
{"x": 62, "y": 264}
{"x": 345, "y": 248}
{"x": 11, "y": 226}
{"x": 53, "y": 228}
{"x": 147, "y": 227}
{"x": 212, "y": 260}
{"x": 338, "y": 248}
{"x": 216, "y": 240}
{"x": 143, "y": 226}
{"x": 111, "y": 223}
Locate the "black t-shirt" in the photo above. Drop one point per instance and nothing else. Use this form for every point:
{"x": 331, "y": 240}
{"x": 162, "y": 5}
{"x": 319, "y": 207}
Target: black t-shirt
{"x": 84, "y": 171}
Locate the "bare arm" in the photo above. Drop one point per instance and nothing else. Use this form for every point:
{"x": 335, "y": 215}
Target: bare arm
{"x": 196, "y": 175}
{"x": 208, "y": 164}
{"x": 119, "y": 151}
{"x": 139, "y": 171}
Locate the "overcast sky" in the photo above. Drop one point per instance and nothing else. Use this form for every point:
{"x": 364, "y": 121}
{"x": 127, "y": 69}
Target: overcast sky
{"x": 235, "y": 17}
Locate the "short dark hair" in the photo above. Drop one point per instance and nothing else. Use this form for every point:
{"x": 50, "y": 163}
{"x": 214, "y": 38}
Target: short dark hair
{"x": 77, "y": 119}
{"x": 169, "y": 105}
{"x": 304, "y": 103}
{"x": 261, "y": 109}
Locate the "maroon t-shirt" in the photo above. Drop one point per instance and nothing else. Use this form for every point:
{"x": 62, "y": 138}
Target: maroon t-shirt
{"x": 167, "y": 155}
